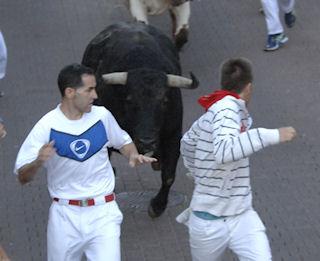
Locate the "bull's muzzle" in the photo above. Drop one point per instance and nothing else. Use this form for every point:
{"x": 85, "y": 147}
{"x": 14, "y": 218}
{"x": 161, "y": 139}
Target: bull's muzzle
{"x": 146, "y": 146}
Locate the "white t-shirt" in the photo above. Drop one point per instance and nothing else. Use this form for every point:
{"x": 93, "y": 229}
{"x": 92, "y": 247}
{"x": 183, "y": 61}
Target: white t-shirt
{"x": 80, "y": 168}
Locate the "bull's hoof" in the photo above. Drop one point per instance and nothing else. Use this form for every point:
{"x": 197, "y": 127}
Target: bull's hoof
{"x": 155, "y": 209}
{"x": 181, "y": 38}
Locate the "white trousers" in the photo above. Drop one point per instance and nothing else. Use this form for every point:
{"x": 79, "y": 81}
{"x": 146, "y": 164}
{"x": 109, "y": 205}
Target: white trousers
{"x": 3, "y": 56}
{"x": 244, "y": 234}
{"x": 272, "y": 16}
{"x": 91, "y": 231}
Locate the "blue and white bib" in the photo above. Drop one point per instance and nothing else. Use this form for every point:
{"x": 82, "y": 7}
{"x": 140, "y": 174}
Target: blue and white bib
{"x": 80, "y": 147}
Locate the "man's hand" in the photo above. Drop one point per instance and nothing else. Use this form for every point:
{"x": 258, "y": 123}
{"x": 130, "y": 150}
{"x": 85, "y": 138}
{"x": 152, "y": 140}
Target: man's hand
{"x": 46, "y": 152}
{"x": 287, "y": 134}
{"x": 130, "y": 151}
{"x": 136, "y": 159}
{"x": 28, "y": 171}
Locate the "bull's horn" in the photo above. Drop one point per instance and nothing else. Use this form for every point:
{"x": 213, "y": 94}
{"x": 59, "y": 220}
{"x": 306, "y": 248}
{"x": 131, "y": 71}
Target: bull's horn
{"x": 182, "y": 82}
{"x": 115, "y": 78}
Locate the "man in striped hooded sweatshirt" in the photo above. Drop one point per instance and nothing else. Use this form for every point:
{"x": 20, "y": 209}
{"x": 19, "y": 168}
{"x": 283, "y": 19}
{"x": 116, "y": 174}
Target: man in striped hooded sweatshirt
{"x": 215, "y": 150}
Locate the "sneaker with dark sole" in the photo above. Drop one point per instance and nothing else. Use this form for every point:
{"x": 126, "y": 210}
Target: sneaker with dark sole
{"x": 275, "y": 41}
{"x": 290, "y": 19}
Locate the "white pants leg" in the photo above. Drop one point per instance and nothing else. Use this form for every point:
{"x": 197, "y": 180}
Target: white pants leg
{"x": 244, "y": 234}
{"x": 271, "y": 13}
{"x": 208, "y": 238}
{"x": 248, "y": 239}
{"x": 287, "y": 6}
{"x": 76, "y": 231}
{"x": 3, "y": 56}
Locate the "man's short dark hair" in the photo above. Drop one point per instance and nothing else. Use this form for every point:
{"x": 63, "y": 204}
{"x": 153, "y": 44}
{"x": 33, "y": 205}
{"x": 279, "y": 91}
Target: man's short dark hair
{"x": 235, "y": 74}
{"x": 71, "y": 76}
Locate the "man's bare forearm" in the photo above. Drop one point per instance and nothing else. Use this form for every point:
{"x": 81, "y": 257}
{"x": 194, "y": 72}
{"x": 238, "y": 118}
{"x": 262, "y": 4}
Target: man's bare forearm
{"x": 128, "y": 149}
{"x": 28, "y": 171}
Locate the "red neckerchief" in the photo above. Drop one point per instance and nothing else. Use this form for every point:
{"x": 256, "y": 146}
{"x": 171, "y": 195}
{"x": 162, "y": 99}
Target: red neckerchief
{"x": 207, "y": 100}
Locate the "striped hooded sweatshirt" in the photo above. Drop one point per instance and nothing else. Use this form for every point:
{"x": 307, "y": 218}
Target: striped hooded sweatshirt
{"x": 216, "y": 149}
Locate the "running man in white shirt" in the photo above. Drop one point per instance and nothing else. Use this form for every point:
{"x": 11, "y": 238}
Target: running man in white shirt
{"x": 216, "y": 151}
{"x": 71, "y": 142}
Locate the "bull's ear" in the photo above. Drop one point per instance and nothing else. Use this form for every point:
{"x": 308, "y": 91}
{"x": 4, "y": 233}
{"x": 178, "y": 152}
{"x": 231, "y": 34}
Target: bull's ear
{"x": 115, "y": 78}
{"x": 182, "y": 82}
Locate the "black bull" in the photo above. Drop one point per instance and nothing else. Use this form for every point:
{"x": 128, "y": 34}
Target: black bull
{"x": 138, "y": 80}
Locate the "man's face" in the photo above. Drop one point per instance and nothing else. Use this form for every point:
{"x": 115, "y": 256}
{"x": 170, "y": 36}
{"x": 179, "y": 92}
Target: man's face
{"x": 84, "y": 96}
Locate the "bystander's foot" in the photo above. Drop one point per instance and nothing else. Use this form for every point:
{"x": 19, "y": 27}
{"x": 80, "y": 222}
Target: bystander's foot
{"x": 290, "y": 19}
{"x": 275, "y": 41}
